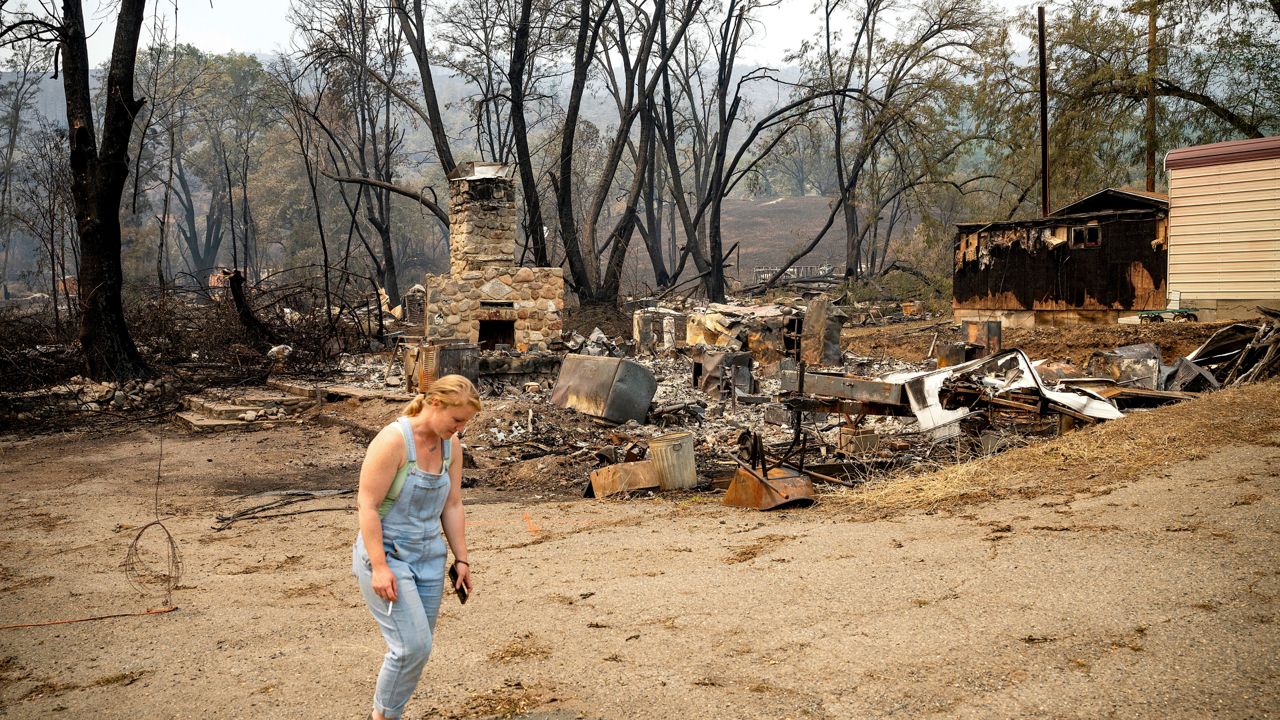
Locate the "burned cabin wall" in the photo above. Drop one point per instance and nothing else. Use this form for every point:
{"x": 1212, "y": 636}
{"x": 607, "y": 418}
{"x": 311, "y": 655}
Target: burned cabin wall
{"x": 1040, "y": 268}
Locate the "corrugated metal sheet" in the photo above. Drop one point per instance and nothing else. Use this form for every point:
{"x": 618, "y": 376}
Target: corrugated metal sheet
{"x": 1224, "y": 229}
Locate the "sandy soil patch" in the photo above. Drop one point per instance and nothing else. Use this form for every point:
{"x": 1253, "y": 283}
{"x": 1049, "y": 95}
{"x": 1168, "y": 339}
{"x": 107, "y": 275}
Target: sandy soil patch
{"x": 1153, "y": 594}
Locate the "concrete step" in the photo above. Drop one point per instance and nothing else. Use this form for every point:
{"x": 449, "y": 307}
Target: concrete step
{"x": 196, "y": 422}
{"x": 216, "y": 409}
{"x": 270, "y": 400}
{"x": 295, "y": 388}
{"x": 231, "y": 405}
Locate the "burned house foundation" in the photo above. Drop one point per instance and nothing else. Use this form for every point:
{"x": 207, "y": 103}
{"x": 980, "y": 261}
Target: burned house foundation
{"x": 770, "y": 334}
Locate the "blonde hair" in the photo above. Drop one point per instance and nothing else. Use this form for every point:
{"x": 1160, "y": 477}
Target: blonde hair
{"x": 449, "y": 391}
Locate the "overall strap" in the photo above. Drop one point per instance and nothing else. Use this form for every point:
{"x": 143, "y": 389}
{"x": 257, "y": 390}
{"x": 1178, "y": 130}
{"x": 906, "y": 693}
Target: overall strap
{"x": 448, "y": 448}
{"x": 410, "y": 448}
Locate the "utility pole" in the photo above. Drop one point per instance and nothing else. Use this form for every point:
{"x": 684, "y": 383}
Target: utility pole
{"x": 1044, "y": 118}
{"x": 1151, "y": 95}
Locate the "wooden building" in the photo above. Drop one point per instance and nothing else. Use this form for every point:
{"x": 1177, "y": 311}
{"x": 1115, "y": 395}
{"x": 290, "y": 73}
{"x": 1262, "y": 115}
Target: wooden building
{"x": 1224, "y": 227}
{"x": 1092, "y": 261}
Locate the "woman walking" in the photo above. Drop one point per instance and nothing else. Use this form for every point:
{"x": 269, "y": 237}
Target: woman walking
{"x": 411, "y": 490}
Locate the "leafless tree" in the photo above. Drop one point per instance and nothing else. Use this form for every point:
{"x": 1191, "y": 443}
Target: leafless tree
{"x": 357, "y": 47}
{"x": 45, "y": 209}
{"x": 891, "y": 86}
{"x": 26, "y": 61}
{"x": 99, "y": 164}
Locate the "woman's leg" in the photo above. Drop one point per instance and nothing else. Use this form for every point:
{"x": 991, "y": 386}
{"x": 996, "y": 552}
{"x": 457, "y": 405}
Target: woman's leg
{"x": 407, "y": 630}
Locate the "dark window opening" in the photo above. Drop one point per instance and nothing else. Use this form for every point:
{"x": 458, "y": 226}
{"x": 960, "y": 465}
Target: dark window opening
{"x": 497, "y": 332}
{"x": 1089, "y": 236}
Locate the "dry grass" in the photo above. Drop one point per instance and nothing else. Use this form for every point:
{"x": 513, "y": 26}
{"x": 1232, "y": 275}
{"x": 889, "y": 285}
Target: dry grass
{"x": 1086, "y": 461}
{"x": 511, "y": 701}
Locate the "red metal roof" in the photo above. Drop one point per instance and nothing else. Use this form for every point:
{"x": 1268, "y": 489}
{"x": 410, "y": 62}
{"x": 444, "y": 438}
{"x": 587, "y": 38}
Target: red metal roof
{"x": 1233, "y": 151}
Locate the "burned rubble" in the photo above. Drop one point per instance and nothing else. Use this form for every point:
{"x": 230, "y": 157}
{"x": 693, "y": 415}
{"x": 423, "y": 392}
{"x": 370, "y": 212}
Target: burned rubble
{"x": 763, "y": 402}
{"x": 786, "y": 424}
{"x": 760, "y": 399}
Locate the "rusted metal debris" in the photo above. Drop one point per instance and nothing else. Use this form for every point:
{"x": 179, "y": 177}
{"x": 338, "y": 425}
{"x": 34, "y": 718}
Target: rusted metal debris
{"x": 623, "y": 477}
{"x": 723, "y": 375}
{"x": 1240, "y": 353}
{"x": 1131, "y": 366}
{"x": 615, "y": 389}
{"x": 761, "y": 485}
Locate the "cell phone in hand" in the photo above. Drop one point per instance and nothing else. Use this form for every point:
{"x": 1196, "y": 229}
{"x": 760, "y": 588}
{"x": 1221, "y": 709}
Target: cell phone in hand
{"x": 461, "y": 590}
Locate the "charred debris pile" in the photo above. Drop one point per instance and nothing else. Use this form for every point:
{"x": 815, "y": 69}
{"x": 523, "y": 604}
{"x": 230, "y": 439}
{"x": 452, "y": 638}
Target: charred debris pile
{"x": 761, "y": 401}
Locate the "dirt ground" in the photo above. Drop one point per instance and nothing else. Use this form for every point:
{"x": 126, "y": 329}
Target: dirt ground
{"x": 1154, "y": 596}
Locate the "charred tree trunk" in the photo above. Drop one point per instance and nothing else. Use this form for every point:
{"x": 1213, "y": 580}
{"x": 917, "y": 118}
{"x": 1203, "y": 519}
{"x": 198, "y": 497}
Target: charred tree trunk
{"x": 414, "y": 27}
{"x": 651, "y": 231}
{"x": 98, "y": 177}
{"x": 257, "y": 330}
{"x": 534, "y": 229}
{"x": 584, "y": 271}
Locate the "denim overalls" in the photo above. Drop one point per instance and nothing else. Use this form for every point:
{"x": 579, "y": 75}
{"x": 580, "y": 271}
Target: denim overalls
{"x": 416, "y": 550}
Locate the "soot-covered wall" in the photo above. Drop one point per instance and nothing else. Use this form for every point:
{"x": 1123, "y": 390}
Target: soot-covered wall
{"x": 1022, "y": 268}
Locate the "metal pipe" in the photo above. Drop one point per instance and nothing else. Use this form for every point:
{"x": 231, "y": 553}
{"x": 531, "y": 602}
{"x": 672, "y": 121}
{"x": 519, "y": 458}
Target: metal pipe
{"x": 1151, "y": 95}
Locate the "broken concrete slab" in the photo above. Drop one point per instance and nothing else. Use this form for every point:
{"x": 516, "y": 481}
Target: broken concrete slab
{"x": 656, "y": 330}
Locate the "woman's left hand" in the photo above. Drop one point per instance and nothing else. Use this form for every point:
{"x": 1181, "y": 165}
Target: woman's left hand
{"x": 464, "y": 576}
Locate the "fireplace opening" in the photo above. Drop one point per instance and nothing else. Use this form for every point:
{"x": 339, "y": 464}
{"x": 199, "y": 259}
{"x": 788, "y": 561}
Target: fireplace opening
{"x": 496, "y": 332}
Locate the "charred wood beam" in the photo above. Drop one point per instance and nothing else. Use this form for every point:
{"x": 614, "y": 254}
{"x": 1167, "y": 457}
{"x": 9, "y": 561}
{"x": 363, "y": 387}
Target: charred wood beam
{"x": 845, "y": 388}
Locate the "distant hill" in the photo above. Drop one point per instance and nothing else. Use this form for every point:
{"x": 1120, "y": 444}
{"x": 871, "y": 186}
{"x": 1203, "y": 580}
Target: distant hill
{"x": 770, "y": 231}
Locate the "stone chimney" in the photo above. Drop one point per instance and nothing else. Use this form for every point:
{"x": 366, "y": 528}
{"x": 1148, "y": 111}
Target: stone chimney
{"x": 482, "y": 217}
{"x": 486, "y": 299}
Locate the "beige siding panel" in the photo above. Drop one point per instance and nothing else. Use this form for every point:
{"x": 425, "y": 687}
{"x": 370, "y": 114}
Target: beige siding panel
{"x": 1218, "y": 184}
{"x": 1192, "y": 271}
{"x": 1258, "y": 250}
{"x": 1212, "y": 242}
{"x": 1191, "y": 268}
{"x": 1205, "y": 202}
{"x": 1264, "y": 218}
{"x": 1224, "y": 231}
{"x": 1234, "y": 168}
{"x": 1235, "y": 172}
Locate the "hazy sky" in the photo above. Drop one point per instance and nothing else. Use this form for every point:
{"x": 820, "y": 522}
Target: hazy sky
{"x": 259, "y": 26}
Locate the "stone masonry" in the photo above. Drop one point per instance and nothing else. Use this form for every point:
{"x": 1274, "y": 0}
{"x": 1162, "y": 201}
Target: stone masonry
{"x": 485, "y": 298}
